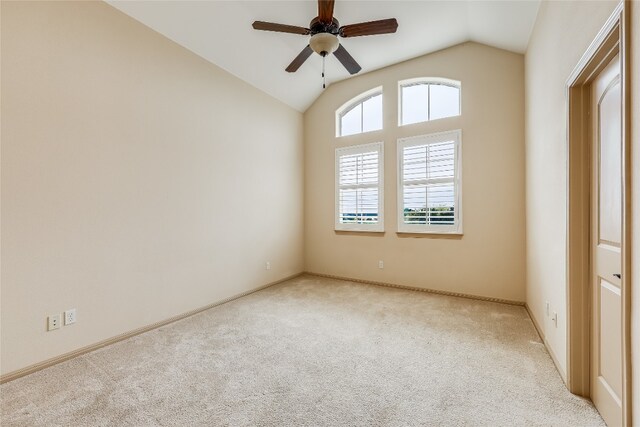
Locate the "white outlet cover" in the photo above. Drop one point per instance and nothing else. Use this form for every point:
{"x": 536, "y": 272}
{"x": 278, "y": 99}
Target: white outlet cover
{"x": 380, "y": 264}
{"x": 70, "y": 316}
{"x": 53, "y": 322}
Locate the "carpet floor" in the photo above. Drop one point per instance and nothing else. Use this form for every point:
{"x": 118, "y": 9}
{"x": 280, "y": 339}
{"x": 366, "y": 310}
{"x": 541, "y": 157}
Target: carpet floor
{"x": 313, "y": 352}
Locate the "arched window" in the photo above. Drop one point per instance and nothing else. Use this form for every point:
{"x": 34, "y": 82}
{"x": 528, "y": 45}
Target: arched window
{"x": 361, "y": 114}
{"x": 426, "y": 99}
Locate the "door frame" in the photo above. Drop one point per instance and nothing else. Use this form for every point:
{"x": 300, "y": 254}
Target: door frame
{"x": 610, "y": 41}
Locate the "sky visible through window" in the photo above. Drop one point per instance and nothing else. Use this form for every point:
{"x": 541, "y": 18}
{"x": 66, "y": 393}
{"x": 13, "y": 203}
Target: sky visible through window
{"x": 423, "y": 102}
{"x": 415, "y": 107}
{"x": 363, "y": 117}
{"x": 444, "y": 101}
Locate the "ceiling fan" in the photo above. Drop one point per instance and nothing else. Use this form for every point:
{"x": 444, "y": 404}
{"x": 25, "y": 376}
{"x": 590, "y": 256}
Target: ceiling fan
{"x": 324, "y": 30}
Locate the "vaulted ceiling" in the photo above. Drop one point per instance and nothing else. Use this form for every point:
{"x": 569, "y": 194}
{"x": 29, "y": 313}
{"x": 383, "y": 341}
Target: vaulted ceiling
{"x": 220, "y": 31}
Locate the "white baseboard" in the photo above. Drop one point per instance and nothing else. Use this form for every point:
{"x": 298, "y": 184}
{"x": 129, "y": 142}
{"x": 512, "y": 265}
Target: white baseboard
{"x": 414, "y": 288}
{"x": 554, "y": 358}
{"x": 79, "y": 352}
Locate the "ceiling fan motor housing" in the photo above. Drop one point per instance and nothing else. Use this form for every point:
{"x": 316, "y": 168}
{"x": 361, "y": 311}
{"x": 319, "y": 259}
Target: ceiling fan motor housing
{"x": 317, "y": 26}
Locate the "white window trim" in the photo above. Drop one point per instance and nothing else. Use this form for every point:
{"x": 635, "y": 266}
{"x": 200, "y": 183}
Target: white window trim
{"x": 456, "y": 136}
{"x": 350, "y": 104}
{"x": 427, "y": 80}
{"x": 357, "y": 149}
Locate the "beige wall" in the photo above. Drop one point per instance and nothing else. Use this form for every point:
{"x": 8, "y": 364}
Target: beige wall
{"x": 561, "y": 35}
{"x": 635, "y": 200}
{"x": 489, "y": 259}
{"x": 118, "y": 167}
{"x": 138, "y": 180}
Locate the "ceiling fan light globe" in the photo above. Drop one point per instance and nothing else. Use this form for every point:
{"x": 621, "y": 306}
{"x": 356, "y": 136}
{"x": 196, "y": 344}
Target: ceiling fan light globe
{"x": 324, "y": 42}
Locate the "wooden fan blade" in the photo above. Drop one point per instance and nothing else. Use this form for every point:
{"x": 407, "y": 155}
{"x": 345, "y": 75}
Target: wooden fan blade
{"x": 384, "y": 26}
{"x": 325, "y": 10}
{"x": 281, "y": 28}
{"x": 302, "y": 56}
{"x": 347, "y": 60}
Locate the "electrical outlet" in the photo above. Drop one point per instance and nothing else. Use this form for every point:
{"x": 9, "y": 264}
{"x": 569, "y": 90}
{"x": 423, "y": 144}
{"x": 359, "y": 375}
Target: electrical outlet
{"x": 70, "y": 317}
{"x": 268, "y": 265}
{"x": 547, "y": 305}
{"x": 380, "y": 264}
{"x": 554, "y": 318}
{"x": 53, "y": 322}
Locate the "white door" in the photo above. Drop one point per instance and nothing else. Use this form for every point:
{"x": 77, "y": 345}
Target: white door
{"x": 606, "y": 244}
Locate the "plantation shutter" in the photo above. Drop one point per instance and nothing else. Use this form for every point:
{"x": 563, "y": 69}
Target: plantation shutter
{"x": 429, "y": 191}
{"x": 359, "y": 192}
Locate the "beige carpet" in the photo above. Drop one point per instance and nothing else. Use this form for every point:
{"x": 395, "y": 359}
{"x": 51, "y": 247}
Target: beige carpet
{"x": 313, "y": 352}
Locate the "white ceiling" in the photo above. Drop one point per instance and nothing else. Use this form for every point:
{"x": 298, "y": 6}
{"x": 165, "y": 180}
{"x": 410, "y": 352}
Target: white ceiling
{"x": 220, "y": 31}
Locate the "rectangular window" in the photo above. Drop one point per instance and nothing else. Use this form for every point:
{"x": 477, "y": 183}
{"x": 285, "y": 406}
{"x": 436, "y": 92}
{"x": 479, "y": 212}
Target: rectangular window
{"x": 429, "y": 184}
{"x": 359, "y": 187}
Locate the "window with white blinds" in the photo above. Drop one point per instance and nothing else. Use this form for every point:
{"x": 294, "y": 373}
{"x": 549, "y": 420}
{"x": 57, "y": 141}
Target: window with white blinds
{"x": 429, "y": 184}
{"x": 359, "y": 184}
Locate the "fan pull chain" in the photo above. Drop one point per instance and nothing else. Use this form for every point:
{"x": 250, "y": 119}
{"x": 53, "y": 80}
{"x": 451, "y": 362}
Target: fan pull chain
{"x": 324, "y": 79}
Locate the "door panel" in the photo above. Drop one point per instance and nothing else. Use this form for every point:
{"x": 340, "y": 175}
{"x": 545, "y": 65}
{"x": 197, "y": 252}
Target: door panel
{"x": 611, "y": 340}
{"x": 606, "y": 218}
{"x": 610, "y": 165}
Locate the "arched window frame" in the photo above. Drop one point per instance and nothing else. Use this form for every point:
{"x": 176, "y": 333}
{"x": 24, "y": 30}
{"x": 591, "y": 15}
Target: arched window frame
{"x": 353, "y": 103}
{"x": 427, "y": 80}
